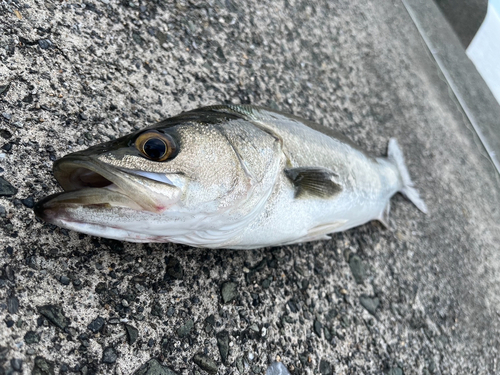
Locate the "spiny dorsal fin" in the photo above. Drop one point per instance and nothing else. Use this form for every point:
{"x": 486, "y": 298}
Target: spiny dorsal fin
{"x": 318, "y": 182}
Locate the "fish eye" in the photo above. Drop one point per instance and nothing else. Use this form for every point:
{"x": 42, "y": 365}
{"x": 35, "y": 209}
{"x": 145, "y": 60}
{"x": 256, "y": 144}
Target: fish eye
{"x": 155, "y": 145}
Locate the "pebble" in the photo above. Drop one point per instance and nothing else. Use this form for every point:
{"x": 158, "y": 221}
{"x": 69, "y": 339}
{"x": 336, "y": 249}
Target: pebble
{"x": 174, "y": 268}
{"x": 369, "y": 303}
{"x": 28, "y": 202}
{"x": 277, "y": 368}
{"x": 55, "y": 315}
{"x": 45, "y": 43}
{"x": 170, "y": 312}
{"x": 229, "y": 291}
{"x": 357, "y": 268}
{"x": 17, "y": 364}
{"x": 4, "y": 88}
{"x": 239, "y": 365}
{"x": 109, "y": 355}
{"x": 325, "y": 367}
{"x": 31, "y": 337}
{"x": 6, "y": 189}
{"x": 223, "y": 345}
{"x": 394, "y": 371}
{"x": 96, "y": 325}
{"x": 6, "y": 116}
{"x": 206, "y": 363}
{"x": 12, "y": 304}
{"x": 318, "y": 327}
{"x": 43, "y": 367}
{"x": 64, "y": 280}
{"x": 132, "y": 334}
{"x": 157, "y": 309}
{"x": 154, "y": 367}
{"x": 184, "y": 330}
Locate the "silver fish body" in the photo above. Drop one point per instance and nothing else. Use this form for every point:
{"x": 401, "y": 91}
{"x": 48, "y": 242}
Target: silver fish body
{"x": 238, "y": 177}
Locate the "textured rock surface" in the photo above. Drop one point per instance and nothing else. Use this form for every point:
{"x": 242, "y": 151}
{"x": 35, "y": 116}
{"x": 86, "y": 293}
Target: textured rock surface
{"x": 76, "y": 74}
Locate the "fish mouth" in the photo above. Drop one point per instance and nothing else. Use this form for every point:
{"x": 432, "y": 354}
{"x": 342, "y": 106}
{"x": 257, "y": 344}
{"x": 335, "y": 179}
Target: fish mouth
{"x": 90, "y": 183}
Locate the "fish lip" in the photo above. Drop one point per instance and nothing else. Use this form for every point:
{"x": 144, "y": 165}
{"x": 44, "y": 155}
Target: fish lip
{"x": 71, "y": 171}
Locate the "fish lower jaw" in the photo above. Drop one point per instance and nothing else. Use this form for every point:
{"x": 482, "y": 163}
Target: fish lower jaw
{"x": 114, "y": 233}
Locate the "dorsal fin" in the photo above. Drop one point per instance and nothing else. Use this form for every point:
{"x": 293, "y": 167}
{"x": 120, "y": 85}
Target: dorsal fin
{"x": 318, "y": 182}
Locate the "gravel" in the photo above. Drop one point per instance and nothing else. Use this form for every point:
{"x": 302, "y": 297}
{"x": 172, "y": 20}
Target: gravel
{"x": 6, "y": 189}
{"x": 205, "y": 363}
{"x": 421, "y": 297}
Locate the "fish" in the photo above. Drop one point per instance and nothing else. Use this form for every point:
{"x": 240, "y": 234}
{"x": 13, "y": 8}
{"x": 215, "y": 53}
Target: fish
{"x": 226, "y": 176}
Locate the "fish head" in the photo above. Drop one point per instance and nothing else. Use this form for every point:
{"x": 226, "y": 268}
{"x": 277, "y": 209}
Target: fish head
{"x": 153, "y": 183}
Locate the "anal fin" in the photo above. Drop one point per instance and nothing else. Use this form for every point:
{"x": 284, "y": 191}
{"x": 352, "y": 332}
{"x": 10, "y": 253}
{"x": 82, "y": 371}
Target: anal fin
{"x": 317, "y": 182}
{"x": 384, "y": 216}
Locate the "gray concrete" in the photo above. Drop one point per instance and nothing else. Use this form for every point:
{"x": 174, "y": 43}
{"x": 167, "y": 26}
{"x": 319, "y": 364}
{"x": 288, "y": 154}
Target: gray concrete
{"x": 361, "y": 67}
{"x": 474, "y": 96}
{"x": 465, "y": 16}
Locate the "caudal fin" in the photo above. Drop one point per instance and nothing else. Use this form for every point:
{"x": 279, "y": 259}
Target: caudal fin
{"x": 396, "y": 156}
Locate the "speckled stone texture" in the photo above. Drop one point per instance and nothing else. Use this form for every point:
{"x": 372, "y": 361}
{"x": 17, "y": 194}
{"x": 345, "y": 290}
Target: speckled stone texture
{"x": 421, "y": 298}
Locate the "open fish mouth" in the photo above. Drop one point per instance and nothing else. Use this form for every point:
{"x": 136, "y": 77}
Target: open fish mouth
{"x": 92, "y": 184}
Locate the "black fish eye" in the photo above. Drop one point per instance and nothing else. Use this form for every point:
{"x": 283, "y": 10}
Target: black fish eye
{"x": 155, "y": 146}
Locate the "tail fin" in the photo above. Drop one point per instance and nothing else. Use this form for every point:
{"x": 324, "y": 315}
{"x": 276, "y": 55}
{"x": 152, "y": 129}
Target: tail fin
{"x": 396, "y": 156}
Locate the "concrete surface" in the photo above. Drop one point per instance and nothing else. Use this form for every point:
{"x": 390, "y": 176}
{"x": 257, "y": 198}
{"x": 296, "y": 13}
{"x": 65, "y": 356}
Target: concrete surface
{"x": 476, "y": 99}
{"x": 422, "y": 298}
{"x": 465, "y": 16}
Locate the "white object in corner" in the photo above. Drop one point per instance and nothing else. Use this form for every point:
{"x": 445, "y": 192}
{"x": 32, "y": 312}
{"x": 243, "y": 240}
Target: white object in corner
{"x": 484, "y": 50}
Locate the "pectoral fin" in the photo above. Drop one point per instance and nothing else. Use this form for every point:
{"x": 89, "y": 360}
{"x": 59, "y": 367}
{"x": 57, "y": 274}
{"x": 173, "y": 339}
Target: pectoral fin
{"x": 317, "y": 182}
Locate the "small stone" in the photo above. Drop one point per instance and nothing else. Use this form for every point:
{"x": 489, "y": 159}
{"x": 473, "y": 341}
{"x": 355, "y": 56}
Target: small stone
{"x": 64, "y": 280}
{"x": 277, "y": 368}
{"x": 239, "y": 365}
{"x": 369, "y": 303}
{"x": 28, "y": 202}
{"x": 394, "y": 371}
{"x": 174, "y": 268}
{"x": 109, "y": 355}
{"x": 266, "y": 283}
{"x": 6, "y": 116}
{"x": 4, "y": 88}
{"x": 154, "y": 367}
{"x": 6, "y": 189}
{"x": 31, "y": 337}
{"x": 223, "y": 344}
{"x": 170, "y": 312}
{"x": 328, "y": 335}
{"x": 229, "y": 291}
{"x": 184, "y": 330}
{"x": 325, "y": 367}
{"x": 12, "y": 304}
{"x": 96, "y": 325}
{"x": 17, "y": 364}
{"x": 157, "y": 309}
{"x": 43, "y": 367}
{"x": 3, "y": 211}
{"x": 206, "y": 363}
{"x": 4, "y": 352}
{"x": 55, "y": 315}
{"x": 132, "y": 334}
{"x": 357, "y": 268}
{"x": 45, "y": 43}
{"x": 318, "y": 327}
